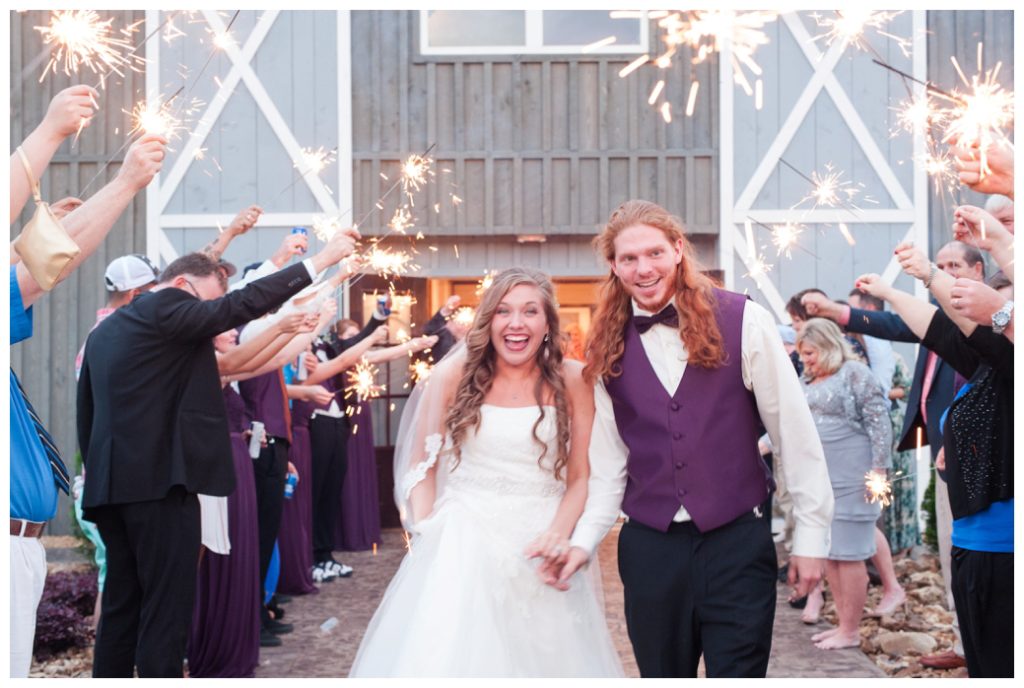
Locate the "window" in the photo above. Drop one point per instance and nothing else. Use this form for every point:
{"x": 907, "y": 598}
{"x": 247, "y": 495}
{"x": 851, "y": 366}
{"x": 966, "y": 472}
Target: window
{"x": 516, "y": 32}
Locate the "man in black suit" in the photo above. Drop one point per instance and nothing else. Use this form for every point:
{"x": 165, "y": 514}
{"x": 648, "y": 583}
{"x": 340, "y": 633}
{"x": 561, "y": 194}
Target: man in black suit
{"x": 153, "y": 432}
{"x": 936, "y": 383}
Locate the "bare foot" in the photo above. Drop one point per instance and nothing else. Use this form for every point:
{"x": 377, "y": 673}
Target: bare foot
{"x": 839, "y": 640}
{"x": 890, "y": 603}
{"x": 824, "y": 634}
{"x": 815, "y": 601}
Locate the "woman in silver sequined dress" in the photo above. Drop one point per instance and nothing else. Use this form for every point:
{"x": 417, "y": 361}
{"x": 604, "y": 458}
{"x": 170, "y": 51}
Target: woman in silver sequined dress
{"x": 851, "y": 413}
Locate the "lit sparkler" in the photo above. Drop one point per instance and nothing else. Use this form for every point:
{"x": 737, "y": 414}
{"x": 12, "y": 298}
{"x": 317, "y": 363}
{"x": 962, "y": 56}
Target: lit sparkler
{"x": 149, "y": 118}
{"x": 879, "y": 488}
{"x": 978, "y": 118}
{"x": 485, "y": 282}
{"x": 362, "y": 382}
{"x": 415, "y": 172}
{"x": 464, "y": 316}
{"x": 400, "y": 221}
{"x": 851, "y": 25}
{"x": 80, "y": 38}
{"x": 785, "y": 236}
{"x": 420, "y": 371}
{"x": 388, "y": 263}
{"x": 316, "y": 160}
{"x": 326, "y": 227}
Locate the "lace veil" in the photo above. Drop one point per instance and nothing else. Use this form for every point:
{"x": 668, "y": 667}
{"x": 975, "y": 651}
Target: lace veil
{"x": 422, "y": 448}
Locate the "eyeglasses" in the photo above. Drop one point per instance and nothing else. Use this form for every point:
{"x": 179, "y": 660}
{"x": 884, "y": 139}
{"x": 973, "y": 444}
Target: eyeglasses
{"x": 195, "y": 291}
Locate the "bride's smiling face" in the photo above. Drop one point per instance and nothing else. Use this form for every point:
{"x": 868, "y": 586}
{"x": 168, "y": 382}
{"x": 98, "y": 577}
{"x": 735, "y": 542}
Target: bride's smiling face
{"x": 519, "y": 325}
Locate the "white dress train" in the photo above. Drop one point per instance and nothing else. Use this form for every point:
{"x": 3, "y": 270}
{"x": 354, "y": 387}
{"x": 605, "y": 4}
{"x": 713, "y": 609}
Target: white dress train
{"x": 465, "y": 601}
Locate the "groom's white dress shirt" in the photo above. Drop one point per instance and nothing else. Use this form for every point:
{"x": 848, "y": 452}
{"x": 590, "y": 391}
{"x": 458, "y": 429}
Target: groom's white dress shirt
{"x": 768, "y": 373}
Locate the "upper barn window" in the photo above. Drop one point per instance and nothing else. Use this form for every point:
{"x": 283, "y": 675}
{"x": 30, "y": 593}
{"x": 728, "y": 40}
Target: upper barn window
{"x": 515, "y": 32}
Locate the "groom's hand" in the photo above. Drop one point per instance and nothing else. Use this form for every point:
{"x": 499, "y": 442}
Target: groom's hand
{"x": 557, "y": 575}
{"x": 804, "y": 573}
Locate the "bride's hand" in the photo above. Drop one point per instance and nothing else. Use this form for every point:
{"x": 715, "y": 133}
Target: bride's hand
{"x": 554, "y": 547}
{"x": 558, "y": 576}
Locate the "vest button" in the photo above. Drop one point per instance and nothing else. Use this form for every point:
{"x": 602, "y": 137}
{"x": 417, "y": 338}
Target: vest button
{"x": 677, "y": 436}
{"x": 680, "y": 465}
{"x": 675, "y": 406}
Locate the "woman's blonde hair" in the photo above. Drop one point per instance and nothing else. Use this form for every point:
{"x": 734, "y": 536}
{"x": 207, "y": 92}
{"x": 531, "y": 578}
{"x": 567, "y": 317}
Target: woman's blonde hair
{"x": 694, "y": 297}
{"x": 833, "y": 349}
{"x": 478, "y": 371}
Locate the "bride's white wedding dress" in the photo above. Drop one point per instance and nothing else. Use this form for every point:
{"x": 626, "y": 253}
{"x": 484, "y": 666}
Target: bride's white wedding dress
{"x": 465, "y": 601}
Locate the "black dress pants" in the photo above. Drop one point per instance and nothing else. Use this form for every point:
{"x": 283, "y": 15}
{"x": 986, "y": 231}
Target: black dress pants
{"x": 983, "y": 593}
{"x": 269, "y": 471}
{"x": 152, "y": 555}
{"x": 328, "y": 438}
{"x": 689, "y": 593}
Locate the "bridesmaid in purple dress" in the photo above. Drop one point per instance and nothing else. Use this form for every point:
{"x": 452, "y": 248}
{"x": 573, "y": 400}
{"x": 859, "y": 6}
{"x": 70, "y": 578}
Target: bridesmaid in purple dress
{"x": 224, "y": 640}
{"x": 358, "y": 524}
{"x": 295, "y": 537}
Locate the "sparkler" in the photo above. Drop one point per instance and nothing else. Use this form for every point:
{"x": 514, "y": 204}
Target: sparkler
{"x": 362, "y": 382}
{"x": 148, "y": 118}
{"x": 785, "y": 236}
{"x": 80, "y": 38}
{"x": 387, "y": 262}
{"x": 420, "y": 371}
{"x": 485, "y": 282}
{"x": 464, "y": 316}
{"x": 400, "y": 221}
{"x": 979, "y": 117}
{"x": 852, "y": 23}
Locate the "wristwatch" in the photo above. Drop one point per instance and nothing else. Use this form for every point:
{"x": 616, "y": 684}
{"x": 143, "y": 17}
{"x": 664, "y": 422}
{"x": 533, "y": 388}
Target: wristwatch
{"x": 1001, "y": 318}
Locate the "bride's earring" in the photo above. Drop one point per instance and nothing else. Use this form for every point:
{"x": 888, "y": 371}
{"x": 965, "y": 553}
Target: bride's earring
{"x": 547, "y": 337}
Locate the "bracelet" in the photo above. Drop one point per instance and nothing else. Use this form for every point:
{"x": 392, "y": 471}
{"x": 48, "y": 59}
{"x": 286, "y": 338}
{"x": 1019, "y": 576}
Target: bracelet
{"x": 931, "y": 275}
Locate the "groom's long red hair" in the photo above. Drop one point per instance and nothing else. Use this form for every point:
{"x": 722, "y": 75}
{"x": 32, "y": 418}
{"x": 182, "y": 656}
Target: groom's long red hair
{"x": 694, "y": 299}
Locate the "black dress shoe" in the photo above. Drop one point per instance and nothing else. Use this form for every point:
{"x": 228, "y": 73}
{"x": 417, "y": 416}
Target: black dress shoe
{"x": 268, "y": 639}
{"x": 799, "y": 602}
{"x": 276, "y": 610}
{"x": 277, "y": 628}
{"x": 280, "y": 598}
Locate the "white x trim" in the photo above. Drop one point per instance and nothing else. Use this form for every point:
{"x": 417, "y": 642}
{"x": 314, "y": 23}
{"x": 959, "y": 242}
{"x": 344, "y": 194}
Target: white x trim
{"x": 162, "y": 189}
{"x": 735, "y": 213}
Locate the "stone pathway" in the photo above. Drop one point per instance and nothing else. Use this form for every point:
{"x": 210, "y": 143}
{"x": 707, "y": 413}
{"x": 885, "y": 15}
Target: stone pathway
{"x": 311, "y": 652}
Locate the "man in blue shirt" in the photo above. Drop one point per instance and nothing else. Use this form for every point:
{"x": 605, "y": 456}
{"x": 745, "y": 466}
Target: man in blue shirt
{"x": 33, "y": 503}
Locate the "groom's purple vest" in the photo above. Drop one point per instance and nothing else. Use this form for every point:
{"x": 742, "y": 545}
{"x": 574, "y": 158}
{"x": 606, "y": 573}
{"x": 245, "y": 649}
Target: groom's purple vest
{"x": 698, "y": 447}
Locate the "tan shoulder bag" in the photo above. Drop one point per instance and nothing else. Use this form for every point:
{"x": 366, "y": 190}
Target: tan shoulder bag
{"x": 44, "y": 245}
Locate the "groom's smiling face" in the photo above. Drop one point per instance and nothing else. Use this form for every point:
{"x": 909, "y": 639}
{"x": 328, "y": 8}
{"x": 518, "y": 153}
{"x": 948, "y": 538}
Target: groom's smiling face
{"x": 645, "y": 263}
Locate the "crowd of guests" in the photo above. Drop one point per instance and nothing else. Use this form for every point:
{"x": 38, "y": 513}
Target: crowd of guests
{"x": 223, "y": 469}
{"x": 873, "y": 415}
{"x": 221, "y": 466}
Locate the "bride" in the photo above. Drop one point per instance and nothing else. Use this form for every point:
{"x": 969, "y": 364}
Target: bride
{"x": 491, "y": 476}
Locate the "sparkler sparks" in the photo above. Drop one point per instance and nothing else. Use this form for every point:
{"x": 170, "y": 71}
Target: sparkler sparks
{"x": 851, "y": 25}
{"x": 388, "y": 263}
{"x": 420, "y": 371}
{"x": 80, "y": 38}
{"x": 879, "y": 488}
{"x": 785, "y": 236}
{"x": 362, "y": 382}
{"x": 978, "y": 118}
{"x": 155, "y": 119}
{"x": 416, "y": 170}
{"x": 400, "y": 221}
{"x": 485, "y": 282}
{"x": 464, "y": 316}
{"x": 316, "y": 159}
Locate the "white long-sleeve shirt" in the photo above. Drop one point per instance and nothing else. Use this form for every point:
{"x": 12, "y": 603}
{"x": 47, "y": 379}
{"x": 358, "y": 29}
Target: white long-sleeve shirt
{"x": 767, "y": 372}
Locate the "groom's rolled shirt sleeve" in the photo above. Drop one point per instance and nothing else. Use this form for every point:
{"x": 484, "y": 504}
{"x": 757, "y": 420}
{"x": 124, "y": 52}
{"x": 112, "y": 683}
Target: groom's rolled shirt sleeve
{"x": 768, "y": 373}
{"x": 607, "y": 483}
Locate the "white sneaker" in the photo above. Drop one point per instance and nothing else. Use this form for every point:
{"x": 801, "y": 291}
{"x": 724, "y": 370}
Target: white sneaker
{"x": 338, "y": 569}
{"x": 322, "y": 574}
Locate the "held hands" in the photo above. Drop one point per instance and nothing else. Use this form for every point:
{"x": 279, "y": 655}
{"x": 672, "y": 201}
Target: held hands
{"x": 245, "y": 220}
{"x": 968, "y": 221}
{"x": 975, "y": 300}
{"x": 557, "y": 576}
{"x": 70, "y": 109}
{"x": 554, "y": 547}
{"x": 873, "y": 284}
{"x": 804, "y": 574}
{"x": 142, "y": 161}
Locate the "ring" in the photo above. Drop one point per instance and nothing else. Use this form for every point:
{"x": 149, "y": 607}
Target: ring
{"x": 558, "y": 549}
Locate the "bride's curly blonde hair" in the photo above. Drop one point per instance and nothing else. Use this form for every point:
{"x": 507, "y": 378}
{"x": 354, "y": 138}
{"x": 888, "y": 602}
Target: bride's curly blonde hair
{"x": 694, "y": 298}
{"x": 479, "y": 368}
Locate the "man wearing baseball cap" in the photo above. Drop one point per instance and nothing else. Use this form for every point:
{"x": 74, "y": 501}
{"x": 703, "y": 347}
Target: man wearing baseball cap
{"x": 126, "y": 277}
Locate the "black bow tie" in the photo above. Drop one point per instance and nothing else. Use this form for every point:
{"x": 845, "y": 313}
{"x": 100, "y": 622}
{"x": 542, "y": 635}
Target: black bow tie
{"x": 667, "y": 316}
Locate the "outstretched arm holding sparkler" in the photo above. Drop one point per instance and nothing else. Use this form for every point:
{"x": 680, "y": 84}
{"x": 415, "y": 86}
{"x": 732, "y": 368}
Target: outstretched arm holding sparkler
{"x": 242, "y": 223}
{"x": 414, "y": 345}
{"x": 90, "y": 224}
{"x": 348, "y": 358}
{"x": 255, "y": 353}
{"x": 997, "y": 178}
{"x": 69, "y": 111}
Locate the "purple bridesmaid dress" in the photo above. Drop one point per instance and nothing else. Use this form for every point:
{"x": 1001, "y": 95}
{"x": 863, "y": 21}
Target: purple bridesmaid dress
{"x": 295, "y": 538}
{"x": 358, "y": 524}
{"x": 224, "y": 640}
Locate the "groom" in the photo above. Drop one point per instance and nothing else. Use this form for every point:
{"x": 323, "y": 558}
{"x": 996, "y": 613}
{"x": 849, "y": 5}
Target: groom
{"x": 678, "y": 454}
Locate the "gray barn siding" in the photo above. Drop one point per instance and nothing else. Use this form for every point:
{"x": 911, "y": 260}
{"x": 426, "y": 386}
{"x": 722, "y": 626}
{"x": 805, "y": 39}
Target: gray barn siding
{"x": 532, "y": 144}
{"x": 957, "y": 33}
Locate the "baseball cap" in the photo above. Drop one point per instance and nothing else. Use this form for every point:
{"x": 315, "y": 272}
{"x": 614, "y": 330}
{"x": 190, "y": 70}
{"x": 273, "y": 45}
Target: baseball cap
{"x": 228, "y": 268}
{"x": 130, "y": 272}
